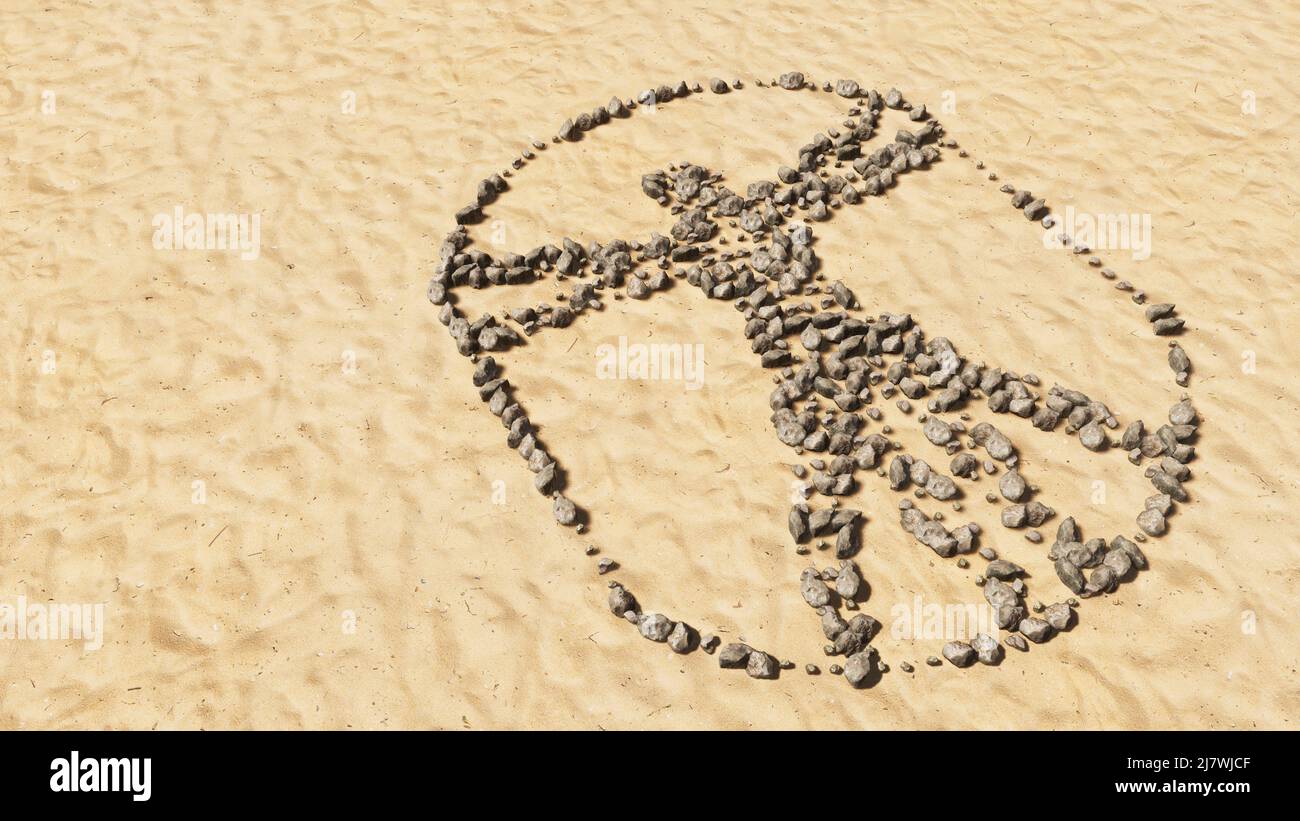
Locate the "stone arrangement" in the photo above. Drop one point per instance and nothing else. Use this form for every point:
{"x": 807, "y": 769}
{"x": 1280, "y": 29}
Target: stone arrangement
{"x": 836, "y": 369}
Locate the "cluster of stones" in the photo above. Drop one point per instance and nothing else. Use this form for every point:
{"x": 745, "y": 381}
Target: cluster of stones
{"x": 682, "y": 638}
{"x": 831, "y": 362}
{"x": 496, "y": 391}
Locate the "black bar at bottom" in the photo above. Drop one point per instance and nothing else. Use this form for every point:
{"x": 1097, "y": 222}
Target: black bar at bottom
{"x": 335, "y": 770}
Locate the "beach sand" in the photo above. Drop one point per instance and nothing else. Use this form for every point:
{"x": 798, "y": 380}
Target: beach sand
{"x": 277, "y": 477}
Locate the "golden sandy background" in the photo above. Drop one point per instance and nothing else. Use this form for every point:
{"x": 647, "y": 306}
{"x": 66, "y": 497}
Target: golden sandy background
{"x": 334, "y": 493}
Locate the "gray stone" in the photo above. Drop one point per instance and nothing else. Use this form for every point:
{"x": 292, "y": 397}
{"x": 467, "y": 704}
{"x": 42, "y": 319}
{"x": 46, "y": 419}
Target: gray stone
{"x": 655, "y": 626}
{"x": 734, "y": 655}
{"x": 566, "y": 513}
{"x": 798, "y": 523}
{"x": 1036, "y": 513}
{"x": 959, "y": 653}
{"x": 1014, "y": 516}
{"x": 987, "y": 650}
{"x": 941, "y": 487}
{"x": 620, "y": 600}
{"x": 1178, "y": 361}
{"x": 1013, "y": 486}
{"x": 1101, "y": 580}
{"x": 847, "y": 88}
{"x": 858, "y": 667}
{"x": 1003, "y": 569}
{"x": 1119, "y": 562}
{"x": 1070, "y": 575}
{"x": 1183, "y": 413}
{"x": 813, "y": 589}
{"x": 846, "y": 541}
{"x": 680, "y": 639}
{"x": 761, "y": 665}
{"x": 848, "y": 583}
{"x": 832, "y": 623}
{"x": 937, "y": 431}
{"x": 1036, "y": 630}
{"x": 1092, "y": 437}
{"x": 1139, "y": 559}
{"x": 1060, "y": 616}
{"x": 791, "y": 80}
{"x": 1152, "y": 522}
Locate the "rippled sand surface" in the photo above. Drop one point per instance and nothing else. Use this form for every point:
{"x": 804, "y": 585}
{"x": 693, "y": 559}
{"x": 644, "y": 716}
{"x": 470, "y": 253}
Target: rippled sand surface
{"x": 344, "y": 561}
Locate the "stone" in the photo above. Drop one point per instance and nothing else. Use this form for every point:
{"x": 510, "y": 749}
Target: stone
{"x": 1012, "y": 486}
{"x": 734, "y": 655}
{"x": 620, "y": 600}
{"x": 1070, "y": 575}
{"x": 484, "y": 371}
{"x": 847, "y": 88}
{"x": 1060, "y": 616}
{"x": 959, "y": 653}
{"x": 858, "y": 668}
{"x": 987, "y": 650}
{"x": 1035, "y": 629}
{"x": 813, "y": 589}
{"x": 846, "y": 540}
{"x": 1183, "y": 413}
{"x": 937, "y": 431}
{"x": 1135, "y": 554}
{"x": 655, "y": 626}
{"x": 1152, "y": 522}
{"x": 761, "y": 665}
{"x": 1014, "y": 516}
{"x": 1168, "y": 326}
{"x": 941, "y": 487}
{"x": 848, "y": 583}
{"x": 1178, "y": 361}
{"x": 832, "y": 623}
{"x": 964, "y": 465}
{"x": 798, "y": 524}
{"x": 1092, "y": 437}
{"x": 1036, "y": 513}
{"x": 566, "y": 513}
{"x": 1101, "y": 580}
{"x": 1003, "y": 569}
{"x": 679, "y": 640}
{"x": 791, "y": 80}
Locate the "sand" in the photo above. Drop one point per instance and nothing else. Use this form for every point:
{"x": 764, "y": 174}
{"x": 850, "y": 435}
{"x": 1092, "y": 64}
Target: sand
{"x": 345, "y": 561}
